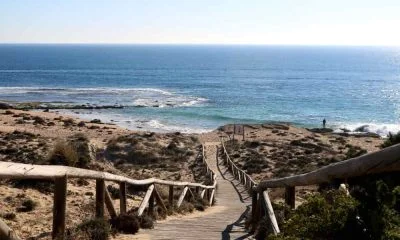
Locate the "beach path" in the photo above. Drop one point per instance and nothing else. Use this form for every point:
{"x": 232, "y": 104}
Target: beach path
{"x": 225, "y": 220}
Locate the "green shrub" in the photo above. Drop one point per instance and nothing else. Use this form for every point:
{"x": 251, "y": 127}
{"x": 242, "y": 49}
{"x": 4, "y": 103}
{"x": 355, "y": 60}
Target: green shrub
{"x": 354, "y": 151}
{"x": 392, "y": 139}
{"x": 74, "y": 152}
{"x": 43, "y": 186}
{"x": 114, "y": 192}
{"x": 91, "y": 229}
{"x": 9, "y": 216}
{"x": 38, "y": 120}
{"x": 330, "y": 215}
{"x": 146, "y": 221}
{"x": 64, "y": 154}
{"x": 81, "y": 144}
{"x": 27, "y": 206}
{"x": 379, "y": 197}
{"x": 125, "y": 223}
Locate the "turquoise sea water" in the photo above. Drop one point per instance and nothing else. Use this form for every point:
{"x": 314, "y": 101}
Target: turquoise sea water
{"x": 198, "y": 88}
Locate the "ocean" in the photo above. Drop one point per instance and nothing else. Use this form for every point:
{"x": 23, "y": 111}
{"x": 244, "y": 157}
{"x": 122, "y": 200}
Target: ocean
{"x": 196, "y": 88}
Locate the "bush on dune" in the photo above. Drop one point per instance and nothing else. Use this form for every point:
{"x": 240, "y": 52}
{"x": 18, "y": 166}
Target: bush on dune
{"x": 371, "y": 212}
{"x": 392, "y": 139}
{"x": 91, "y": 229}
{"x": 74, "y": 152}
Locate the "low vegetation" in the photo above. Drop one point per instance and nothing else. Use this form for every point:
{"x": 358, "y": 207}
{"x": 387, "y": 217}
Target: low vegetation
{"x": 371, "y": 211}
{"x": 73, "y": 153}
{"x": 91, "y": 229}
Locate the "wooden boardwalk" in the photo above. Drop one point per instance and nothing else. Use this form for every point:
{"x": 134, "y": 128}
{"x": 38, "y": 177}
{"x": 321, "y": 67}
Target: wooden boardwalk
{"x": 225, "y": 220}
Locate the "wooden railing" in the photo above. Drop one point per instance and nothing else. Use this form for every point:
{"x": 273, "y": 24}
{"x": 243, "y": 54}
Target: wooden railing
{"x": 385, "y": 160}
{"x": 261, "y": 204}
{"x": 60, "y": 175}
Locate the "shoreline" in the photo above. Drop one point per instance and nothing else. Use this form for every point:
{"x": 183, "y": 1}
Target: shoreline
{"x": 136, "y": 122}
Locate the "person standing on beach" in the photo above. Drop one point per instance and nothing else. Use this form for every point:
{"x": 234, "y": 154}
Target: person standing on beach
{"x": 324, "y": 123}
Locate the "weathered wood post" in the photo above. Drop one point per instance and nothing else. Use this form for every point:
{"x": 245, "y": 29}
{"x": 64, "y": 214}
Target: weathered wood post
{"x": 171, "y": 197}
{"x": 59, "y": 208}
{"x": 159, "y": 200}
{"x": 122, "y": 197}
{"x": 109, "y": 203}
{"x": 254, "y": 210}
{"x": 290, "y": 196}
{"x": 100, "y": 198}
{"x": 212, "y": 197}
{"x": 271, "y": 214}
{"x": 145, "y": 201}
{"x": 151, "y": 204}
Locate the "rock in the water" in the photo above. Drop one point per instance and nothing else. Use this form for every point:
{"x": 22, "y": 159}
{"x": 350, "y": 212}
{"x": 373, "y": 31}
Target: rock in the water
{"x": 320, "y": 130}
{"x": 95, "y": 121}
{"x": 5, "y": 106}
{"x": 363, "y": 128}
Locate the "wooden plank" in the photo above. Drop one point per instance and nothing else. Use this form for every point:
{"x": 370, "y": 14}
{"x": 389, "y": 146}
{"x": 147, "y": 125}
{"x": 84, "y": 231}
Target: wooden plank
{"x": 145, "y": 200}
{"x": 290, "y": 196}
{"x": 100, "y": 198}
{"x": 271, "y": 214}
{"x": 159, "y": 200}
{"x": 122, "y": 198}
{"x": 182, "y": 196}
{"x": 109, "y": 203}
{"x": 59, "y": 208}
{"x": 7, "y": 233}
{"x": 171, "y": 196}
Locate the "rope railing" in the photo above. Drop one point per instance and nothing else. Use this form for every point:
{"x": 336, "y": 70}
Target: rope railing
{"x": 60, "y": 175}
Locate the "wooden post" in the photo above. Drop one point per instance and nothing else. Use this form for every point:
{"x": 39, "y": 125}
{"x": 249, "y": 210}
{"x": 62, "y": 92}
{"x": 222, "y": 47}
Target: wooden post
{"x": 202, "y": 193}
{"x": 212, "y": 197}
{"x": 109, "y": 203}
{"x": 7, "y": 233}
{"x": 59, "y": 208}
{"x": 182, "y": 196}
{"x": 159, "y": 200}
{"x": 271, "y": 214}
{"x": 145, "y": 200}
{"x": 151, "y": 204}
{"x": 243, "y": 132}
{"x": 290, "y": 196}
{"x": 122, "y": 197}
{"x": 100, "y": 198}
{"x": 254, "y": 210}
{"x": 171, "y": 196}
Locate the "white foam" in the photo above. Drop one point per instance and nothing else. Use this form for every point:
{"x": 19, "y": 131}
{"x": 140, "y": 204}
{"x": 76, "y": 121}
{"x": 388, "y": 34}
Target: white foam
{"x": 382, "y": 129}
{"x": 18, "y": 90}
{"x": 136, "y": 123}
{"x": 136, "y": 97}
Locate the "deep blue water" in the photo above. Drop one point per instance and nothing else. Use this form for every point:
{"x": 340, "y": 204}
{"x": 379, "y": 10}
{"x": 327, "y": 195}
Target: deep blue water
{"x": 194, "y": 88}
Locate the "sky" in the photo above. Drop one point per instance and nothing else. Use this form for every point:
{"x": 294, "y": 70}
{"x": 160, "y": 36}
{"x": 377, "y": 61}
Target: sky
{"x": 292, "y": 22}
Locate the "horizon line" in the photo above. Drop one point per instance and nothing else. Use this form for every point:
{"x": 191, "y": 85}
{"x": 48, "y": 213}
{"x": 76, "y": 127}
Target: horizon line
{"x": 201, "y": 44}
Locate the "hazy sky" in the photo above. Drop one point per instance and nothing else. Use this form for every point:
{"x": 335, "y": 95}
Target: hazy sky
{"x": 326, "y": 22}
